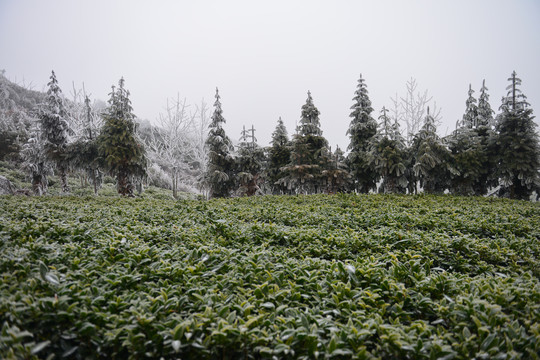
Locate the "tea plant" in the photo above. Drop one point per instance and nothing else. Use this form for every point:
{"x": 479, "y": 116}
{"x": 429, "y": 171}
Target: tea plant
{"x": 304, "y": 277}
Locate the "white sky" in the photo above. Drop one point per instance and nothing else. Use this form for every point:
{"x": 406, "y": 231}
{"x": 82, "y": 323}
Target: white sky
{"x": 265, "y": 55}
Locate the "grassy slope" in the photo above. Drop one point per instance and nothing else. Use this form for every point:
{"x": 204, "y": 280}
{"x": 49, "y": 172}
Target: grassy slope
{"x": 308, "y": 276}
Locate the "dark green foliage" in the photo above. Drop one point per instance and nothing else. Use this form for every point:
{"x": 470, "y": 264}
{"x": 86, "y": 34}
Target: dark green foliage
{"x": 249, "y": 164}
{"x": 120, "y": 150}
{"x": 516, "y": 145}
{"x": 432, "y": 161}
{"x": 361, "y": 131}
{"x": 220, "y": 170}
{"x": 337, "y": 178}
{"x": 309, "y": 154}
{"x": 296, "y": 277}
{"x": 279, "y": 155}
{"x": 388, "y": 156}
{"x": 469, "y": 150}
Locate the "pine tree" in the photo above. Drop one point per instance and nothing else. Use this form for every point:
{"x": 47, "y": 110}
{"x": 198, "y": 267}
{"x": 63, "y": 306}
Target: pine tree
{"x": 119, "y": 147}
{"x": 516, "y": 144}
{"x": 388, "y": 155}
{"x": 484, "y": 111}
{"x": 361, "y": 131}
{"x": 471, "y": 112}
{"x": 337, "y": 176}
{"x": 432, "y": 160}
{"x": 279, "y": 156}
{"x": 55, "y": 129}
{"x": 249, "y": 164}
{"x": 220, "y": 169}
{"x": 309, "y": 155}
{"x": 484, "y": 132}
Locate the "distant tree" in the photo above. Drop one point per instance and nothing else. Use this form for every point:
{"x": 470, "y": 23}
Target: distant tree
{"x": 279, "y": 156}
{"x": 337, "y": 176}
{"x": 471, "y": 111}
{"x": 361, "y": 131}
{"x": 484, "y": 131}
{"x": 388, "y": 155}
{"x": 220, "y": 169}
{"x": 119, "y": 147}
{"x": 309, "y": 154}
{"x": 54, "y": 126}
{"x": 83, "y": 153}
{"x": 516, "y": 144}
{"x": 35, "y": 162}
{"x": 410, "y": 109}
{"x": 170, "y": 143}
{"x": 249, "y": 164}
{"x": 432, "y": 160}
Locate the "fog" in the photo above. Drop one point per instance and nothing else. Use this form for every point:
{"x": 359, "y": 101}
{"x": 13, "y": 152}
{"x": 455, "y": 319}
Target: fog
{"x": 265, "y": 56}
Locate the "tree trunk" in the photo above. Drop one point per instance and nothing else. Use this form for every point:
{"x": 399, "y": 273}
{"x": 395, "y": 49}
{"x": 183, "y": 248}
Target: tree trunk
{"x": 63, "y": 179}
{"x": 94, "y": 181}
{"x": 124, "y": 185}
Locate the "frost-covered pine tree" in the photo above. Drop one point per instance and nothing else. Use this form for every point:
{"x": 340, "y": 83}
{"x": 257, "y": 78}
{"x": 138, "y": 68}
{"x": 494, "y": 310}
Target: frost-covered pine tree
{"x": 361, "y": 131}
{"x": 432, "y": 160}
{"x": 309, "y": 154}
{"x": 336, "y": 175}
{"x": 220, "y": 170}
{"x": 249, "y": 164}
{"x": 279, "y": 155}
{"x": 516, "y": 144}
{"x": 35, "y": 162}
{"x": 485, "y": 133}
{"x": 388, "y": 155}
{"x": 468, "y": 153}
{"x": 54, "y": 127}
{"x": 484, "y": 111}
{"x": 471, "y": 111}
{"x": 119, "y": 146}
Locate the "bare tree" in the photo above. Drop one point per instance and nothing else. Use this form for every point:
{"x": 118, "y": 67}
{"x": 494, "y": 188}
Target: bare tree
{"x": 410, "y": 110}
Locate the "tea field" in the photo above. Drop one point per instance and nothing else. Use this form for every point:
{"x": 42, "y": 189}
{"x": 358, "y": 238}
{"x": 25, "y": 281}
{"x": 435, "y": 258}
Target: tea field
{"x": 300, "y": 277}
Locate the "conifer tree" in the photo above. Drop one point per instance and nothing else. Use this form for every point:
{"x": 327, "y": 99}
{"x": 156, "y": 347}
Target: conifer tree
{"x": 309, "y": 154}
{"x": 361, "y": 131}
{"x": 249, "y": 163}
{"x": 467, "y": 152}
{"x": 516, "y": 144}
{"x": 432, "y": 162}
{"x": 336, "y": 175}
{"x": 471, "y": 111}
{"x": 119, "y": 147}
{"x": 484, "y": 111}
{"x": 55, "y": 129}
{"x": 279, "y": 157}
{"x": 388, "y": 155}
{"x": 220, "y": 169}
{"x": 484, "y": 132}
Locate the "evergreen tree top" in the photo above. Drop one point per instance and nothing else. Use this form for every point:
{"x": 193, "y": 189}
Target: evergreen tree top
{"x": 279, "y": 136}
{"x": 485, "y": 113}
{"x": 362, "y": 104}
{"x": 515, "y": 100}
{"x": 119, "y": 103}
{"x": 55, "y": 102}
{"x": 309, "y": 122}
{"x": 471, "y": 110}
{"x": 217, "y": 116}
{"x": 385, "y": 124}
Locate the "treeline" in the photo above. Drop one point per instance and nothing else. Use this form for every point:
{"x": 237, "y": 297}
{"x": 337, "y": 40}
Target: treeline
{"x": 488, "y": 153}
{"x": 485, "y": 153}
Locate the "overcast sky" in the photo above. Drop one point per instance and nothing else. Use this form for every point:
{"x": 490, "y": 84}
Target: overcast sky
{"x": 265, "y": 55}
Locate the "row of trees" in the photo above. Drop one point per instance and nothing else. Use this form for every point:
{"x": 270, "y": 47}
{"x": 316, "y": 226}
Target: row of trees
{"x": 187, "y": 149}
{"x": 484, "y": 152}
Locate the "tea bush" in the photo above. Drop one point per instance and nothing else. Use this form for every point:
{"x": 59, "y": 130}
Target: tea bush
{"x": 303, "y": 277}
